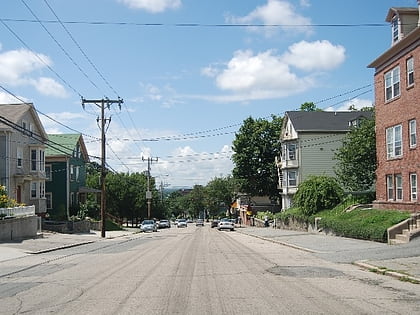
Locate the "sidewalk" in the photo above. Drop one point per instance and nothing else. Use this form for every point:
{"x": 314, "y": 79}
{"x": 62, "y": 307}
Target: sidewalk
{"x": 51, "y": 241}
{"x": 400, "y": 261}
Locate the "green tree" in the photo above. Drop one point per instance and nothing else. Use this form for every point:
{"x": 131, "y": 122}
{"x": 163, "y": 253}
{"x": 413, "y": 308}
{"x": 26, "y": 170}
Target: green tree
{"x": 220, "y": 192}
{"x": 356, "y": 164}
{"x": 309, "y": 107}
{"x": 318, "y": 193}
{"x": 255, "y": 147}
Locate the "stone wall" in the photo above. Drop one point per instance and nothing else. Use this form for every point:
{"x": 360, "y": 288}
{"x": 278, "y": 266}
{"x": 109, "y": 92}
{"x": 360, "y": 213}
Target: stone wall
{"x": 18, "y": 228}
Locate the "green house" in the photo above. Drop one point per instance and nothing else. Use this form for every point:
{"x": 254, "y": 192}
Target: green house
{"x": 65, "y": 169}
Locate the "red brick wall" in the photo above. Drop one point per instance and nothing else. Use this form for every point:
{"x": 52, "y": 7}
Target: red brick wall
{"x": 398, "y": 111}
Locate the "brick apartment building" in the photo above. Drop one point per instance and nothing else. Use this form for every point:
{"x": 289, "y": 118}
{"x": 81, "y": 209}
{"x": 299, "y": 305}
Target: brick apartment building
{"x": 397, "y": 108}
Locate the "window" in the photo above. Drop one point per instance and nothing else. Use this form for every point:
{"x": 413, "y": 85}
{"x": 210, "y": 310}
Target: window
{"x": 413, "y": 134}
{"x": 41, "y": 160}
{"x": 390, "y": 187}
{"x": 410, "y": 71}
{"x": 291, "y": 151}
{"x": 392, "y": 83}
{"x": 291, "y": 178}
{"x": 394, "y": 142}
{"x": 398, "y": 187}
{"x": 41, "y": 189}
{"x": 33, "y": 160}
{"x": 48, "y": 174}
{"x": 33, "y": 189}
{"x": 72, "y": 175}
{"x": 395, "y": 29}
{"x": 48, "y": 197}
{"x": 19, "y": 157}
{"x": 413, "y": 186}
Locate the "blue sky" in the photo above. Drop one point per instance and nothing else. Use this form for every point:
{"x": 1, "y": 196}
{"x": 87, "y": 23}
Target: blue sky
{"x": 189, "y": 71}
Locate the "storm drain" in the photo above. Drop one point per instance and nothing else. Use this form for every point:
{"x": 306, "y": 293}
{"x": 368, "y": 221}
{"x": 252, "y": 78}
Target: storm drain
{"x": 305, "y": 272}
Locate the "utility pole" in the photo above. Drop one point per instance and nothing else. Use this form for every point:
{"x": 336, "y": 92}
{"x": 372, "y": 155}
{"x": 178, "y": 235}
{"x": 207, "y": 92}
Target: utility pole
{"x": 148, "y": 192}
{"x": 102, "y": 103}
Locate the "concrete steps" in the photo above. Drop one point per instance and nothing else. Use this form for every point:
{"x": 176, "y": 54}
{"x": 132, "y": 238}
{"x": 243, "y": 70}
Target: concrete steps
{"x": 409, "y": 230}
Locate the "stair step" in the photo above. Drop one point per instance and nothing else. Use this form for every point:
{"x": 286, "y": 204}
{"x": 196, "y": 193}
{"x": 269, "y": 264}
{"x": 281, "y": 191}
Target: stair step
{"x": 406, "y": 232}
{"x": 402, "y": 237}
{"x": 396, "y": 242}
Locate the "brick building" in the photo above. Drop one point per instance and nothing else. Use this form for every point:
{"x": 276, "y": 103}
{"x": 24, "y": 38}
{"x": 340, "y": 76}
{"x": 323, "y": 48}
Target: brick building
{"x": 397, "y": 108}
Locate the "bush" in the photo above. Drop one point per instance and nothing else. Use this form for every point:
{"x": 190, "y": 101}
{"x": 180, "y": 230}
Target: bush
{"x": 367, "y": 224}
{"x": 318, "y": 193}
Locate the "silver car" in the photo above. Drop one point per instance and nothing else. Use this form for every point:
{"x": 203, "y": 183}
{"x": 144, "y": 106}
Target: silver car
{"x": 225, "y": 224}
{"x": 182, "y": 223}
{"x": 148, "y": 226}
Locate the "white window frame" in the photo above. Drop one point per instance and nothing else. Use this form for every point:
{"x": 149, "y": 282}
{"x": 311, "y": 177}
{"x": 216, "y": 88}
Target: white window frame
{"x": 34, "y": 155}
{"x": 394, "y": 147}
{"x": 48, "y": 197}
{"x": 412, "y": 127}
{"x": 410, "y": 71}
{"x": 291, "y": 179}
{"x": 390, "y": 187}
{"x": 392, "y": 83}
{"x": 34, "y": 190}
{"x": 41, "y": 189}
{"x": 398, "y": 187}
{"x": 72, "y": 173}
{"x": 48, "y": 172}
{"x": 19, "y": 157}
{"x": 413, "y": 187}
{"x": 291, "y": 151}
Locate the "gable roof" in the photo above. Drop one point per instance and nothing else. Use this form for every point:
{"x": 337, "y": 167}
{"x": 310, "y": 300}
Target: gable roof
{"x": 320, "y": 121}
{"x": 65, "y": 144}
{"x": 15, "y": 112}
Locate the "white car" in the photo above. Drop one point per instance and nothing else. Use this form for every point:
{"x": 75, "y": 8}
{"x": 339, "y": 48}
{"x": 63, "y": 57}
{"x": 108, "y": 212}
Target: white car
{"x": 225, "y": 224}
{"x": 148, "y": 226}
{"x": 182, "y": 223}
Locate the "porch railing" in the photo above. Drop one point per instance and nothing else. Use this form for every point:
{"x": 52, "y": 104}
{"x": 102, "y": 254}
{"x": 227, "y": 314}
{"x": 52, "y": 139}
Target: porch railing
{"x": 17, "y": 211}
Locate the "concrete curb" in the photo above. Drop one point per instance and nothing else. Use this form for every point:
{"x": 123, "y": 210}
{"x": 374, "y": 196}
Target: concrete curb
{"x": 384, "y": 271}
{"x": 280, "y": 242}
{"x": 42, "y": 251}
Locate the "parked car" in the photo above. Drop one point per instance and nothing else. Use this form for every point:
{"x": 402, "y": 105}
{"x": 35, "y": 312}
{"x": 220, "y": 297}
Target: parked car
{"x": 163, "y": 224}
{"x": 214, "y": 223}
{"x": 199, "y": 222}
{"x": 225, "y": 224}
{"x": 148, "y": 226}
{"x": 182, "y": 223}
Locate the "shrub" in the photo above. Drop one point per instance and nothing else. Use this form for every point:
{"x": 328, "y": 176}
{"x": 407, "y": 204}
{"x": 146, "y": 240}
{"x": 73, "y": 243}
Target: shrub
{"x": 318, "y": 193}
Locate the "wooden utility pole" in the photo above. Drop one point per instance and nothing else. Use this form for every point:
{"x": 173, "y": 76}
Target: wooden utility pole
{"x": 148, "y": 192}
{"x": 102, "y": 104}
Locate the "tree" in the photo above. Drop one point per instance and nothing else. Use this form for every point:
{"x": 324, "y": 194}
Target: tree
{"x": 318, "y": 193}
{"x": 220, "y": 192}
{"x": 356, "y": 164}
{"x": 255, "y": 147}
{"x": 309, "y": 107}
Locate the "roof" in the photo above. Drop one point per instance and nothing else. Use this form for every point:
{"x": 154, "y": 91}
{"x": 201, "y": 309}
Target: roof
{"x": 400, "y": 11}
{"x": 15, "y": 112}
{"x": 325, "y": 121}
{"x": 65, "y": 144}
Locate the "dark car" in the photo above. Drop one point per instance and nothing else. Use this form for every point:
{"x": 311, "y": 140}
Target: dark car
{"x": 214, "y": 223}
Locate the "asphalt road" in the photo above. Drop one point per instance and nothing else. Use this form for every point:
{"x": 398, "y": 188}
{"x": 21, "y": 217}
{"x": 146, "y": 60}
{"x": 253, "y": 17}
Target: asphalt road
{"x": 196, "y": 270}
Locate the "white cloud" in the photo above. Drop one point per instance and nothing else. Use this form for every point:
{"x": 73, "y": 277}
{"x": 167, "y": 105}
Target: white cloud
{"x": 318, "y": 55}
{"x": 17, "y": 68}
{"x": 357, "y": 103}
{"x": 153, "y": 6}
{"x": 259, "y": 76}
{"x": 6, "y": 98}
{"x": 266, "y": 75}
{"x": 275, "y": 12}
{"x": 50, "y": 87}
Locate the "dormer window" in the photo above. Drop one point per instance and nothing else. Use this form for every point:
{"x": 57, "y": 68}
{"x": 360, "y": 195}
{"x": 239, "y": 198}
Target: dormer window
{"x": 395, "y": 29}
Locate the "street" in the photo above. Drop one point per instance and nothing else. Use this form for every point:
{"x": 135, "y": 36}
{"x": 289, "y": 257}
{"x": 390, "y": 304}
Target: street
{"x": 196, "y": 270}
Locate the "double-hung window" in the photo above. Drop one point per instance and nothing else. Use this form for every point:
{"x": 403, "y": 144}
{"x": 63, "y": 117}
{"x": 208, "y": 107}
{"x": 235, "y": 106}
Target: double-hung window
{"x": 394, "y": 142}
{"x": 390, "y": 187}
{"x": 291, "y": 150}
{"x": 412, "y": 126}
{"x": 410, "y": 71}
{"x": 34, "y": 186}
{"x": 291, "y": 178}
{"x": 413, "y": 186}
{"x": 398, "y": 187}
{"x": 19, "y": 157}
{"x": 33, "y": 160}
{"x": 392, "y": 83}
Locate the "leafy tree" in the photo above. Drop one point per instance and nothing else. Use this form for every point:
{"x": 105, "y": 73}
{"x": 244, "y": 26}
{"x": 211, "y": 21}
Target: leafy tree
{"x": 356, "y": 164}
{"x": 309, "y": 107}
{"x": 318, "y": 193}
{"x": 255, "y": 147}
{"x": 220, "y": 192}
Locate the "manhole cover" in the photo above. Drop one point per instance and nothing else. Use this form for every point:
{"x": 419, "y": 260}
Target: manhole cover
{"x": 305, "y": 272}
